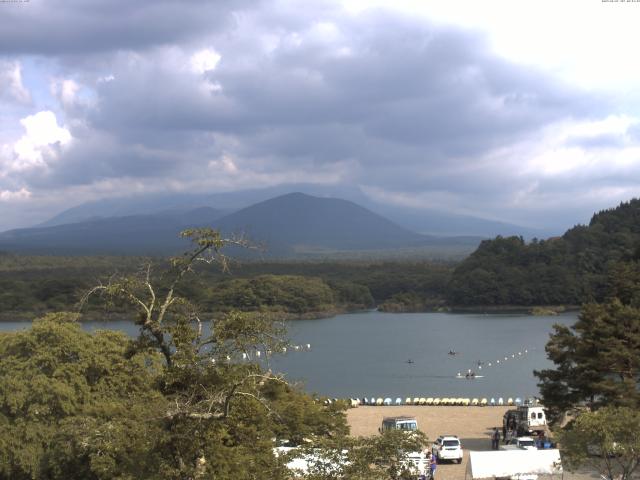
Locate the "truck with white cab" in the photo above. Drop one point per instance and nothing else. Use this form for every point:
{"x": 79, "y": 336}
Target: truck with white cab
{"x": 527, "y": 419}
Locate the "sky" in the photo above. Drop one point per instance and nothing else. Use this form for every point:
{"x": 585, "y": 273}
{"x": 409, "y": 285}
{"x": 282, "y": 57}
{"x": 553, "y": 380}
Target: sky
{"x": 522, "y": 111}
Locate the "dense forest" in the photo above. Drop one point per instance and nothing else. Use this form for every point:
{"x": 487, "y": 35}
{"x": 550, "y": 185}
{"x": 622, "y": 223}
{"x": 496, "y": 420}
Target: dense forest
{"x": 39, "y": 284}
{"x": 571, "y": 269}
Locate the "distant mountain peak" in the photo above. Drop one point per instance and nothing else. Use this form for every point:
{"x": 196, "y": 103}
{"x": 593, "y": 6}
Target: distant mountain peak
{"x": 289, "y": 224}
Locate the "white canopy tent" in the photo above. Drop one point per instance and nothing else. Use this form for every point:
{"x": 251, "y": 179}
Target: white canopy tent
{"x": 513, "y": 464}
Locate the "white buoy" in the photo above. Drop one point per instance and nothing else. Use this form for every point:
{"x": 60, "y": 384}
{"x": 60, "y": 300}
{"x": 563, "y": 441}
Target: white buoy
{"x": 519, "y": 353}
{"x": 525, "y": 351}
{"x": 513, "y": 355}
{"x": 506, "y": 358}
{"x": 489, "y": 363}
{"x": 296, "y": 347}
{"x": 308, "y": 346}
{"x": 479, "y": 367}
{"x": 497, "y": 361}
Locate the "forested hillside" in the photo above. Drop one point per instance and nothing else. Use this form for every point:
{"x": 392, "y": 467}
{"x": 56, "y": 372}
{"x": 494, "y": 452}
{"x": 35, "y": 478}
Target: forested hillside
{"x": 36, "y": 285}
{"x": 571, "y": 269}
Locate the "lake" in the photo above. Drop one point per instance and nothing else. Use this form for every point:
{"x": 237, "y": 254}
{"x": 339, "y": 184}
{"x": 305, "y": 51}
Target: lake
{"x": 366, "y": 354}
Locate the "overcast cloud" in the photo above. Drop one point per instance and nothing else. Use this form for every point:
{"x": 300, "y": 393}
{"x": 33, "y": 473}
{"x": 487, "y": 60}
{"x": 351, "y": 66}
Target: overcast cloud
{"x": 411, "y": 105}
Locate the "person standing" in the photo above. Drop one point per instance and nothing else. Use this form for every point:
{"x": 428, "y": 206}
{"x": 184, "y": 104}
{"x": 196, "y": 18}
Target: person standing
{"x": 433, "y": 464}
{"x": 495, "y": 439}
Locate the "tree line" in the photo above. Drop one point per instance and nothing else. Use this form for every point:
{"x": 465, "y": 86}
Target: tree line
{"x": 37, "y": 285}
{"x": 570, "y": 270}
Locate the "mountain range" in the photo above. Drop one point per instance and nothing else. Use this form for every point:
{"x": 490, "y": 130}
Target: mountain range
{"x": 424, "y": 220}
{"x": 287, "y": 225}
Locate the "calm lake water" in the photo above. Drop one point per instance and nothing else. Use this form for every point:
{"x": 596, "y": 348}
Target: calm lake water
{"x": 366, "y": 354}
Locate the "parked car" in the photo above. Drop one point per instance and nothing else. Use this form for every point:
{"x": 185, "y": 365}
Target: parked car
{"x": 520, "y": 443}
{"x": 447, "y": 447}
{"x": 399, "y": 423}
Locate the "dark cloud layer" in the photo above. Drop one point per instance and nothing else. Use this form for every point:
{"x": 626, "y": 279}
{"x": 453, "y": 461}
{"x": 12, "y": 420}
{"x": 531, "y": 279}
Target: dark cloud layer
{"x": 79, "y": 27}
{"x": 389, "y": 101}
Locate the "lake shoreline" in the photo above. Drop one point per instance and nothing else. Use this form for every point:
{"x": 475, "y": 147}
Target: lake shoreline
{"x": 536, "y": 310}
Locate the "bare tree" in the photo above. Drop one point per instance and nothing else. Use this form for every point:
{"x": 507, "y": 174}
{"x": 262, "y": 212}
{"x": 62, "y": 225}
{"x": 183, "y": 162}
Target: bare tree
{"x": 207, "y": 366}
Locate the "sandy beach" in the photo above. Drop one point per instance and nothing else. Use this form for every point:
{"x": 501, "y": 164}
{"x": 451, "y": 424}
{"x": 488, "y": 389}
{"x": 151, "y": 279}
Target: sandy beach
{"x": 473, "y": 425}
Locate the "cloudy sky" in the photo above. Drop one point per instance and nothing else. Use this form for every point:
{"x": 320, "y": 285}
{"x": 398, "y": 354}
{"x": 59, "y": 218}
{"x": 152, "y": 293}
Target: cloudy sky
{"x": 523, "y": 111}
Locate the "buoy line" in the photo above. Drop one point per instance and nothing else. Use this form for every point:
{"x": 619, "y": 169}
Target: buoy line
{"x": 479, "y": 364}
{"x": 432, "y": 401}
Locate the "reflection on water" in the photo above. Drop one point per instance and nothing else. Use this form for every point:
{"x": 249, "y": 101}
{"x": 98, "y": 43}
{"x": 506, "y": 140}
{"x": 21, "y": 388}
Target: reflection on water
{"x": 400, "y": 355}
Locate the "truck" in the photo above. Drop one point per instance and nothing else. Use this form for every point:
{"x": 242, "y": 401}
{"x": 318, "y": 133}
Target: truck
{"x": 527, "y": 419}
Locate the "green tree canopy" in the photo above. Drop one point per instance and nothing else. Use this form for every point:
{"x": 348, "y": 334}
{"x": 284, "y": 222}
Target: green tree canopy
{"x": 571, "y": 269}
{"x": 597, "y": 360}
{"x": 58, "y": 383}
{"x": 607, "y": 440}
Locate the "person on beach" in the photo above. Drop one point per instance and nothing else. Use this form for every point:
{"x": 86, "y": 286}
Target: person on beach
{"x": 427, "y": 465}
{"x": 433, "y": 464}
{"x": 495, "y": 439}
{"x": 508, "y": 437}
